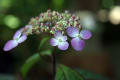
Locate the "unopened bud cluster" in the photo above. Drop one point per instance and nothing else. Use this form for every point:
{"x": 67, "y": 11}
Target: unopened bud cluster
{"x": 52, "y": 21}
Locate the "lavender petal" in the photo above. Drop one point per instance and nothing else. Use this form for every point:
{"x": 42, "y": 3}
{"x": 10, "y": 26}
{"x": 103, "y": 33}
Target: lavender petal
{"x": 53, "y": 42}
{"x": 28, "y": 26}
{"x": 10, "y": 45}
{"x": 72, "y": 31}
{"x": 63, "y": 45}
{"x": 64, "y": 38}
{"x": 77, "y": 44}
{"x": 22, "y": 38}
{"x": 85, "y": 34}
{"x": 58, "y": 34}
{"x": 17, "y": 34}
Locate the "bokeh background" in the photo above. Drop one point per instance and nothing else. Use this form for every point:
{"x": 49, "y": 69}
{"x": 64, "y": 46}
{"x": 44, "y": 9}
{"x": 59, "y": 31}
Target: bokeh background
{"x": 100, "y": 56}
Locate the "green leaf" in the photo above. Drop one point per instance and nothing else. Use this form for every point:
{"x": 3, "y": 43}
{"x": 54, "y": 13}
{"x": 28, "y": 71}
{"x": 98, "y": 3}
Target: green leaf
{"x": 65, "y": 73}
{"x": 91, "y": 76}
{"x": 44, "y": 46}
{"x": 46, "y": 52}
{"x": 43, "y": 42}
{"x": 29, "y": 63}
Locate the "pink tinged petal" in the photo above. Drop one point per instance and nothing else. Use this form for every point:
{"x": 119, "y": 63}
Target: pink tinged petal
{"x": 63, "y": 45}
{"x": 58, "y": 34}
{"x": 53, "y": 42}
{"x": 22, "y": 38}
{"x": 77, "y": 44}
{"x": 85, "y": 34}
{"x": 10, "y": 45}
{"x": 72, "y": 31}
{"x": 17, "y": 34}
{"x": 28, "y": 26}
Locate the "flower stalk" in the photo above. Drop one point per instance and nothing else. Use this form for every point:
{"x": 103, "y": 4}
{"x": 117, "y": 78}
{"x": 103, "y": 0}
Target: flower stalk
{"x": 54, "y": 63}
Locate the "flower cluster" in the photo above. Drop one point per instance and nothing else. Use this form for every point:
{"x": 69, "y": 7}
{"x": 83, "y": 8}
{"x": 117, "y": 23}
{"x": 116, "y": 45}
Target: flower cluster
{"x": 58, "y": 24}
{"x": 76, "y": 42}
{"x": 17, "y": 39}
{"x": 59, "y": 41}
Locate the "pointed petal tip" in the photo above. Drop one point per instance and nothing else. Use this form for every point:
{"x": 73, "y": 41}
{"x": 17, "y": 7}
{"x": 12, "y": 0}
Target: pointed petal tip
{"x": 10, "y": 45}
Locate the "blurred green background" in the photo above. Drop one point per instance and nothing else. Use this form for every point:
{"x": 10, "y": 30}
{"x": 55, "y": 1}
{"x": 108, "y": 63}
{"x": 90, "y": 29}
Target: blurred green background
{"x": 101, "y": 54}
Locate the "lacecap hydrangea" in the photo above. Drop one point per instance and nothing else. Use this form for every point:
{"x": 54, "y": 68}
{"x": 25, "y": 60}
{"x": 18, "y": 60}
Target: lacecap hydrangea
{"x": 61, "y": 25}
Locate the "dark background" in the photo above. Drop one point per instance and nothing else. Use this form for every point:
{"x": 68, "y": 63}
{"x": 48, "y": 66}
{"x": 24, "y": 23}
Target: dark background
{"x": 101, "y": 54}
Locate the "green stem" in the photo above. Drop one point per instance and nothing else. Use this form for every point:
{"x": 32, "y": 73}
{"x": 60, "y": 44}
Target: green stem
{"x": 54, "y": 64}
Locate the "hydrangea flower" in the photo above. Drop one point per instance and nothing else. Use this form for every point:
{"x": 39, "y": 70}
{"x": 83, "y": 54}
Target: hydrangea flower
{"x": 53, "y": 22}
{"x": 59, "y": 41}
{"x": 77, "y": 36}
{"x": 17, "y": 39}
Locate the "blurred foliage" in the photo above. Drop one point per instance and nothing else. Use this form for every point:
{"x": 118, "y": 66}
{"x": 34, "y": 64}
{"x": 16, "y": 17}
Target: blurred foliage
{"x": 65, "y": 73}
{"x": 29, "y": 63}
{"x": 44, "y": 45}
{"x": 91, "y": 76}
{"x": 44, "y": 49}
{"x": 1, "y": 18}
{"x": 6, "y": 4}
{"x": 7, "y": 77}
{"x": 58, "y": 3}
{"x": 12, "y": 21}
{"x": 107, "y": 3}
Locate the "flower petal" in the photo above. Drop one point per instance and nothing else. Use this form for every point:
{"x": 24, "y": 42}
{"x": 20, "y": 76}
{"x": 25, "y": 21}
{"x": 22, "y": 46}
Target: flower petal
{"x": 72, "y": 31}
{"x": 64, "y": 38}
{"x": 10, "y": 45}
{"x": 58, "y": 34}
{"x": 28, "y": 26}
{"x": 53, "y": 42}
{"x": 85, "y": 34}
{"x": 22, "y": 38}
{"x": 77, "y": 44}
{"x": 17, "y": 34}
{"x": 63, "y": 45}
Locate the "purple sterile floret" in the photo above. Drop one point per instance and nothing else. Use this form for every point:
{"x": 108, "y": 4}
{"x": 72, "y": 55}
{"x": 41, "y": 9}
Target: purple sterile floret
{"x": 22, "y": 38}
{"x": 58, "y": 34}
{"x": 17, "y": 34}
{"x": 59, "y": 41}
{"x": 17, "y": 38}
{"x": 72, "y": 31}
{"x": 77, "y": 43}
{"x": 85, "y": 34}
